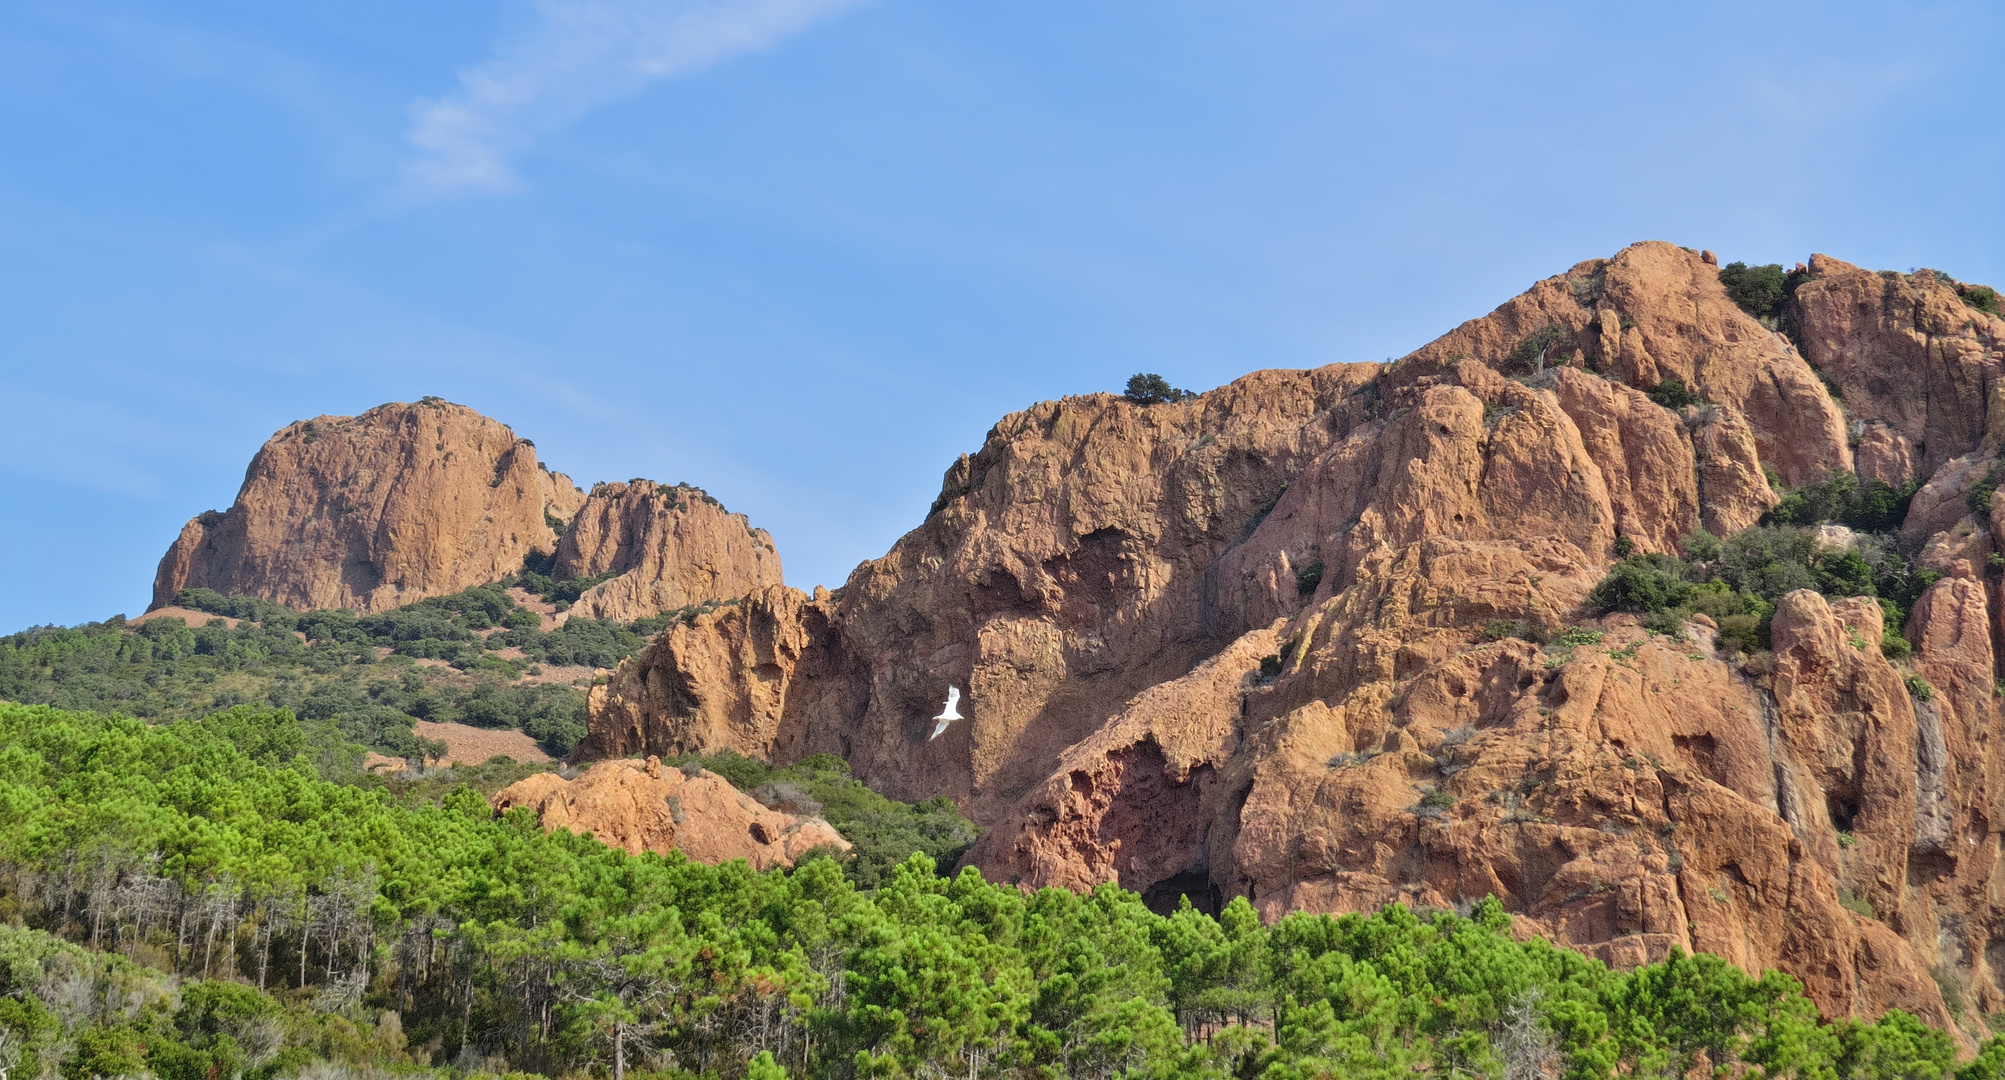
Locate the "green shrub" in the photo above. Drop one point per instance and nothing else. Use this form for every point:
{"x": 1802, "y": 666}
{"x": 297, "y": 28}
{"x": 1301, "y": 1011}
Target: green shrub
{"x": 1743, "y": 633}
{"x": 1716, "y": 599}
{"x": 1759, "y": 290}
{"x": 1841, "y": 498}
{"x": 1982, "y": 297}
{"x": 1674, "y": 395}
{"x": 1842, "y": 573}
{"x": 1895, "y": 647}
{"x": 1309, "y": 577}
{"x": 1700, "y": 545}
{"x": 1573, "y": 637}
{"x": 1535, "y": 350}
{"x": 1148, "y": 388}
{"x": 1525, "y": 629}
{"x": 1739, "y": 580}
{"x": 1642, "y": 585}
{"x": 1768, "y": 562}
{"x": 1978, "y": 498}
{"x": 1919, "y": 689}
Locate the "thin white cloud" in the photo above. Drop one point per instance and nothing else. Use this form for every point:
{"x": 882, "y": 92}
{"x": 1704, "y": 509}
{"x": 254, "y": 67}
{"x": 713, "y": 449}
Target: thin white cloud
{"x": 579, "y": 55}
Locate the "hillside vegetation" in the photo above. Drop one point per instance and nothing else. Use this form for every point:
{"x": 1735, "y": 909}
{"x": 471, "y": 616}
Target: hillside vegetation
{"x": 194, "y": 901}
{"x": 1737, "y": 581}
{"x": 369, "y": 673}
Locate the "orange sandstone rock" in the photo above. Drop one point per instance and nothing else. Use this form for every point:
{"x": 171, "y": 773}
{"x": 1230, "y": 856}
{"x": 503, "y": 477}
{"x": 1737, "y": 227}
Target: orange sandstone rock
{"x": 671, "y": 547}
{"x": 373, "y": 511}
{"x": 640, "y": 807}
{"x": 1905, "y": 351}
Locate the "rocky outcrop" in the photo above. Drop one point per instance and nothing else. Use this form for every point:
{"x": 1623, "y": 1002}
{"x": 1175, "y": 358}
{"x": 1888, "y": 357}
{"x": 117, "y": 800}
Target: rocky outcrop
{"x": 1295, "y": 641}
{"x": 1884, "y": 454}
{"x": 1066, "y": 569}
{"x": 670, "y": 547}
{"x": 1907, "y": 353}
{"x": 373, "y": 511}
{"x": 409, "y": 501}
{"x": 1623, "y": 796}
{"x": 1656, "y": 312}
{"x": 642, "y": 806}
{"x": 730, "y": 676}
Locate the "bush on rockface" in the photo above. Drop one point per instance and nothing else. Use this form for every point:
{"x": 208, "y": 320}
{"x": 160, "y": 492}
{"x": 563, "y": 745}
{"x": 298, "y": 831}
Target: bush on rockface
{"x": 1759, "y": 290}
{"x": 1737, "y": 581}
{"x": 1978, "y": 498}
{"x": 1844, "y": 499}
{"x": 1544, "y": 346}
{"x": 1674, "y": 395}
{"x": 1148, "y": 388}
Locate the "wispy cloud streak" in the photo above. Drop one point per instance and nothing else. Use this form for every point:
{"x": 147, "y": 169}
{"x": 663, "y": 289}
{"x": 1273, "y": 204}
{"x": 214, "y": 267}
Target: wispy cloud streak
{"x": 579, "y": 55}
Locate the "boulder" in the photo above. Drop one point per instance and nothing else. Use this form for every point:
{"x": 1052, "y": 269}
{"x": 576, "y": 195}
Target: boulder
{"x": 644, "y": 806}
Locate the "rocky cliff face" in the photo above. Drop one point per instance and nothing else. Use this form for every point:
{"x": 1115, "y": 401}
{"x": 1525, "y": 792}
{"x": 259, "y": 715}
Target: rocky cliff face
{"x": 408, "y": 501}
{"x": 369, "y": 512}
{"x": 640, "y": 807}
{"x": 1065, "y": 570}
{"x": 1917, "y": 366}
{"x": 670, "y": 547}
{"x": 1269, "y": 643}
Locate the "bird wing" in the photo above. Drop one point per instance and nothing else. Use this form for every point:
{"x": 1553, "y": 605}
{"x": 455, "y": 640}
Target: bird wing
{"x": 937, "y": 729}
{"x": 951, "y": 712}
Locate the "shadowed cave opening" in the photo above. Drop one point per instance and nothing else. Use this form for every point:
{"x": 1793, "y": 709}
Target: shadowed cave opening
{"x": 1164, "y": 896}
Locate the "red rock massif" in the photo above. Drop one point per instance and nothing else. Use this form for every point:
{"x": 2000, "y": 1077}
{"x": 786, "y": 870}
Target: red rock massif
{"x": 409, "y": 501}
{"x": 1237, "y": 646}
{"x": 374, "y": 511}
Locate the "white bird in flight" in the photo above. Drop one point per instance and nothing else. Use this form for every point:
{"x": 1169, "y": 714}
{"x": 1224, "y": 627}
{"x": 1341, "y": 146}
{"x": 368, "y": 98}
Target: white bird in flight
{"x": 949, "y": 714}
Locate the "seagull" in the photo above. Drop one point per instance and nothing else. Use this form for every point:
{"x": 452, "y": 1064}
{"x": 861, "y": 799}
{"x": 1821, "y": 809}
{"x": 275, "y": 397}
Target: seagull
{"x": 949, "y": 714}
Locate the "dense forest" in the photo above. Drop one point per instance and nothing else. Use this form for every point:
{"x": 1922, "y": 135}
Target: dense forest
{"x": 477, "y": 657}
{"x": 200, "y": 900}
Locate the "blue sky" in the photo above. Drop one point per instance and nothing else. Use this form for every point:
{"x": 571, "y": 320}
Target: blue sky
{"x": 804, "y": 252}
